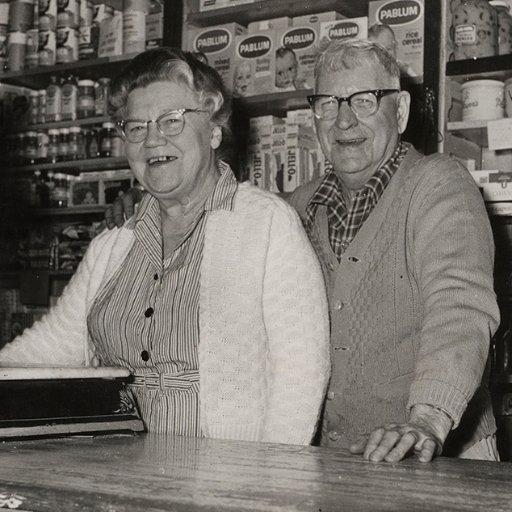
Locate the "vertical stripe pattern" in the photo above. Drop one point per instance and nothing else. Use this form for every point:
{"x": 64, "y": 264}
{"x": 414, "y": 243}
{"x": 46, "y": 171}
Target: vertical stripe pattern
{"x": 147, "y": 317}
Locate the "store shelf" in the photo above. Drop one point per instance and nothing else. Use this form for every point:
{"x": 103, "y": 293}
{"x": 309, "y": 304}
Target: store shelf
{"x": 70, "y": 210}
{"x": 64, "y": 124}
{"x": 277, "y": 103}
{"x": 37, "y": 78}
{"x": 475, "y": 131}
{"x": 266, "y": 9}
{"x": 499, "y": 66}
{"x": 90, "y": 165}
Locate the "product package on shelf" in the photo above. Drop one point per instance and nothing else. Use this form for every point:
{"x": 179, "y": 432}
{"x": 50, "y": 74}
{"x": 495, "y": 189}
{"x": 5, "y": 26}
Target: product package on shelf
{"x": 217, "y": 46}
{"x": 281, "y": 23}
{"x": 348, "y": 28}
{"x": 399, "y": 27}
{"x": 99, "y": 188}
{"x": 9, "y": 304}
{"x": 298, "y": 47}
{"x": 255, "y": 64}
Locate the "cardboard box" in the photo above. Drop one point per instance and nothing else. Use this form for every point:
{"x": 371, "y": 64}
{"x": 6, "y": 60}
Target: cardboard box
{"x": 254, "y": 64}
{"x": 217, "y": 45}
{"x": 274, "y": 23}
{"x": 111, "y": 36}
{"x": 208, "y": 5}
{"x": 349, "y": 28}
{"x": 403, "y": 33}
{"x": 85, "y": 190}
{"x": 298, "y": 47}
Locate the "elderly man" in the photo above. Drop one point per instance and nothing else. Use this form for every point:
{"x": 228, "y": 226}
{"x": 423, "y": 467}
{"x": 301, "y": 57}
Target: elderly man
{"x": 407, "y": 253}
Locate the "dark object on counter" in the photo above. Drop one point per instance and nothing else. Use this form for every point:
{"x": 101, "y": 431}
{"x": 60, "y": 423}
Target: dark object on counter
{"x": 61, "y": 401}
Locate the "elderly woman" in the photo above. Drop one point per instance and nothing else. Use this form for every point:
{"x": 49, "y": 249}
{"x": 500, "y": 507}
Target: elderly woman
{"x": 211, "y": 294}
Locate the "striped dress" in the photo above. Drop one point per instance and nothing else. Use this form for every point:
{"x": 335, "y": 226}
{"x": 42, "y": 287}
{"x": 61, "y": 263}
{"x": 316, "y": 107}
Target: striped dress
{"x": 147, "y": 317}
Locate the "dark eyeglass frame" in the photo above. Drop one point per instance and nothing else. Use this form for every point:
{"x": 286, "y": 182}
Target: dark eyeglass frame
{"x": 121, "y": 124}
{"x": 378, "y": 93}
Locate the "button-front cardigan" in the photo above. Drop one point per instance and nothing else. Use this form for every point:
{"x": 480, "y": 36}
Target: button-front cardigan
{"x": 263, "y": 354}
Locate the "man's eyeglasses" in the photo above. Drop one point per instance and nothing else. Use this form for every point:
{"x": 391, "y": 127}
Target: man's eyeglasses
{"x": 363, "y": 103}
{"x": 169, "y": 124}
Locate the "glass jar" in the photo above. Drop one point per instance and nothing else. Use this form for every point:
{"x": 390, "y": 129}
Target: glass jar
{"x": 41, "y": 112}
{"x": 42, "y": 147}
{"x": 63, "y": 146}
{"x": 504, "y": 26}
{"x": 85, "y": 106}
{"x": 69, "y": 99}
{"x": 475, "y": 30}
{"x": 106, "y": 136}
{"x": 59, "y": 194}
{"x": 33, "y": 107}
{"x": 53, "y": 100}
{"x": 53, "y": 145}
{"x": 30, "y": 147}
{"x": 75, "y": 143}
{"x": 101, "y": 95}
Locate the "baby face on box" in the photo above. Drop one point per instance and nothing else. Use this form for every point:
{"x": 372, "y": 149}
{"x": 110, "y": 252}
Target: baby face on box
{"x": 254, "y": 64}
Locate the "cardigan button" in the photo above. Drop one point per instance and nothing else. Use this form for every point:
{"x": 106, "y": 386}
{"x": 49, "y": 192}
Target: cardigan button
{"x": 338, "y": 305}
{"x": 144, "y": 355}
{"x": 330, "y": 395}
{"x": 149, "y": 312}
{"x": 333, "y": 435}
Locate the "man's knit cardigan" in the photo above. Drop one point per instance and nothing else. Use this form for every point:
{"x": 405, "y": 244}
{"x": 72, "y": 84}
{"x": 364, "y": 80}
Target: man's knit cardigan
{"x": 264, "y": 333}
{"x": 412, "y": 305}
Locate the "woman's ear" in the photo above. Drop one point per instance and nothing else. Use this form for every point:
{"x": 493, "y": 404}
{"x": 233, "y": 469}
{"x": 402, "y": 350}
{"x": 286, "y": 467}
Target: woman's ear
{"x": 216, "y": 137}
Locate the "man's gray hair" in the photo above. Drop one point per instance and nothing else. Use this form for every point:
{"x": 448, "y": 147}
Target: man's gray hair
{"x": 341, "y": 54}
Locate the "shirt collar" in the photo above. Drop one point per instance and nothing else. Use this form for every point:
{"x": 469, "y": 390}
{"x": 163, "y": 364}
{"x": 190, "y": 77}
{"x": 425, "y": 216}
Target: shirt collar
{"x": 221, "y": 198}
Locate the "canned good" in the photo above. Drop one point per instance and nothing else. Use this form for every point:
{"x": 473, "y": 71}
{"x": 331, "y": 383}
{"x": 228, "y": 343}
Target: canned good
{"x": 86, "y": 12}
{"x": 4, "y": 12}
{"x": 32, "y": 49}
{"x": 53, "y": 145}
{"x": 47, "y": 14}
{"x": 101, "y": 96}
{"x": 47, "y": 48}
{"x": 67, "y": 45}
{"x": 504, "y": 26}
{"x": 59, "y": 193}
{"x": 41, "y": 114}
{"x": 42, "y": 147}
{"x": 21, "y": 15}
{"x": 16, "y": 46}
{"x": 33, "y": 107}
{"x": 68, "y": 13}
{"x": 106, "y": 136}
{"x": 69, "y": 99}
{"x": 53, "y": 100}
{"x": 75, "y": 143}
{"x": 63, "y": 144}
{"x": 30, "y": 142}
{"x": 85, "y": 107}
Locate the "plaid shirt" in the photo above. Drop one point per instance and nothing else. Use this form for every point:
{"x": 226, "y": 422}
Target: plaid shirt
{"x": 345, "y": 221}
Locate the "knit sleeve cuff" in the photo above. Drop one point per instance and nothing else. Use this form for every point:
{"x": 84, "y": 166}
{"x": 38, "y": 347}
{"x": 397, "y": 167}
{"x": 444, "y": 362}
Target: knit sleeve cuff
{"x": 438, "y": 394}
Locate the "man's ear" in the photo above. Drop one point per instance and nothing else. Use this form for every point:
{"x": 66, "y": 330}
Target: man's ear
{"x": 216, "y": 137}
{"x": 403, "y": 103}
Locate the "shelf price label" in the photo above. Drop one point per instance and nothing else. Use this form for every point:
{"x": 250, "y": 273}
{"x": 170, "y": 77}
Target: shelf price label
{"x": 499, "y": 133}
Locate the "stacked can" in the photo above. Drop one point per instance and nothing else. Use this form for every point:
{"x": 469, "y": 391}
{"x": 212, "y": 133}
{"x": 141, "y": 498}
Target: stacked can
{"x": 85, "y": 31}
{"x": 47, "y": 32}
{"x": 68, "y": 20}
{"x": 4, "y": 25}
{"x": 21, "y": 19}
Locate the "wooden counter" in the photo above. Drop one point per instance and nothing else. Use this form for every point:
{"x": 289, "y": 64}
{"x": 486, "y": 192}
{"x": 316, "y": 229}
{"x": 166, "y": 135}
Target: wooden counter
{"x": 154, "y": 473}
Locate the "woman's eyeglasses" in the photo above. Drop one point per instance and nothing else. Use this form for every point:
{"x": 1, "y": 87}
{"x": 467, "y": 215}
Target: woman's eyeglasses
{"x": 169, "y": 124}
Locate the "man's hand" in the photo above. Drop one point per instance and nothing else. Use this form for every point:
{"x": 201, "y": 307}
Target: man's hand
{"x": 424, "y": 434}
{"x": 122, "y": 208}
